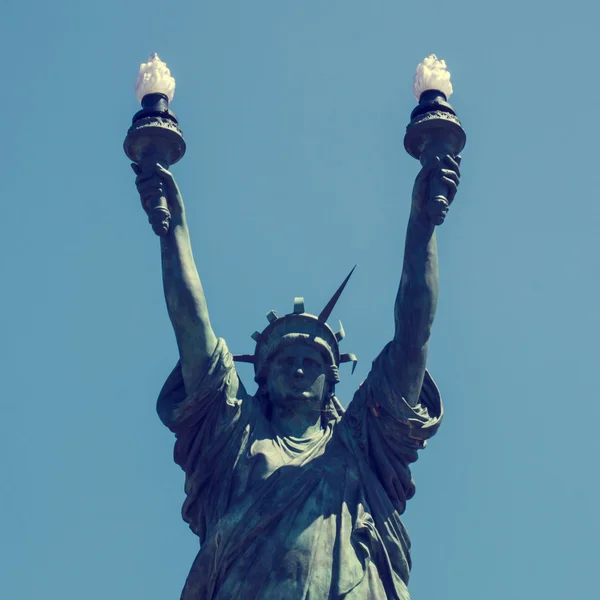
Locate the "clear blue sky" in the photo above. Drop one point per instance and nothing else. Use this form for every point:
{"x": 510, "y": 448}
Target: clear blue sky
{"x": 294, "y": 114}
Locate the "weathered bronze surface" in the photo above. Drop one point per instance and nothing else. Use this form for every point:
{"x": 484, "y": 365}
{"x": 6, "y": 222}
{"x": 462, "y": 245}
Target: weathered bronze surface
{"x": 154, "y": 137}
{"x": 291, "y": 496}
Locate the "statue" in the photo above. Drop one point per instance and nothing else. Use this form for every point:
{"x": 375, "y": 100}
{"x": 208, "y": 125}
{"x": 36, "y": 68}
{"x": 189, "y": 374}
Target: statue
{"x": 291, "y": 496}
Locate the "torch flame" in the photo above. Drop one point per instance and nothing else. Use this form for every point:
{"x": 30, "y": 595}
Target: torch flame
{"x": 154, "y": 77}
{"x": 432, "y": 74}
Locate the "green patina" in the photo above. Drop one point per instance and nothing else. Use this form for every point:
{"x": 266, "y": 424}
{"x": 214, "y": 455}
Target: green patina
{"x": 291, "y": 496}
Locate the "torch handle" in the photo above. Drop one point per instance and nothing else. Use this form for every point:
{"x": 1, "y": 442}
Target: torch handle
{"x": 159, "y": 215}
{"x": 437, "y": 203}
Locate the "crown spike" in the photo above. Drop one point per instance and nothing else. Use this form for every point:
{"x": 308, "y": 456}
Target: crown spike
{"x": 256, "y": 336}
{"x": 341, "y": 334}
{"x": 298, "y": 305}
{"x": 271, "y": 316}
{"x": 245, "y": 358}
{"x": 331, "y": 304}
{"x": 344, "y": 358}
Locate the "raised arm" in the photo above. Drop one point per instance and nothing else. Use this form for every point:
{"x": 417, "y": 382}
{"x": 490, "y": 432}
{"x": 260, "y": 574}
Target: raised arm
{"x": 186, "y": 303}
{"x": 416, "y": 301}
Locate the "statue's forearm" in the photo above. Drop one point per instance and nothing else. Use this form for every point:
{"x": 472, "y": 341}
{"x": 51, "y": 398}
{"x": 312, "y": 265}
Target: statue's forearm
{"x": 416, "y": 301}
{"x": 415, "y": 307}
{"x": 186, "y": 303}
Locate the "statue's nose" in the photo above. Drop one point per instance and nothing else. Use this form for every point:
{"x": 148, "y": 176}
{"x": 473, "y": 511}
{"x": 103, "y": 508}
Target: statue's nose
{"x": 298, "y": 372}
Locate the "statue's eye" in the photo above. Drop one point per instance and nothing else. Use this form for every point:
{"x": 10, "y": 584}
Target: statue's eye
{"x": 310, "y": 363}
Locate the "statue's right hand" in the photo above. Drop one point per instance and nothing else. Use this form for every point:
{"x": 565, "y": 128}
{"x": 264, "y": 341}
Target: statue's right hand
{"x": 156, "y": 180}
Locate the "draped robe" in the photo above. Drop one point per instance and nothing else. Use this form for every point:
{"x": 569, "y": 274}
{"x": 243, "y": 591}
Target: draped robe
{"x": 285, "y": 518}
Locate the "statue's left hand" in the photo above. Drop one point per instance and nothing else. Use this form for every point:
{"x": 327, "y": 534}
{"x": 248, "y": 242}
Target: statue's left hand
{"x": 158, "y": 180}
{"x": 438, "y": 173}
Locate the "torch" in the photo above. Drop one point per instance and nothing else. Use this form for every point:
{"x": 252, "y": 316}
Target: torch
{"x": 434, "y": 129}
{"x": 154, "y": 136}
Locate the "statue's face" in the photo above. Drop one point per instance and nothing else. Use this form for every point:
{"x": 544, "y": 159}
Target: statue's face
{"x": 297, "y": 374}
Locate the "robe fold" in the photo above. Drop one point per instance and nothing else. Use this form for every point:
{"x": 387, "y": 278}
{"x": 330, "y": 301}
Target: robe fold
{"x": 284, "y": 518}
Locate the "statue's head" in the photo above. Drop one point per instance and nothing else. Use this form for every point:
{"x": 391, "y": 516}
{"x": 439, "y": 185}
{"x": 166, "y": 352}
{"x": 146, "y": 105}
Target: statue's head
{"x": 299, "y": 372}
{"x": 297, "y": 355}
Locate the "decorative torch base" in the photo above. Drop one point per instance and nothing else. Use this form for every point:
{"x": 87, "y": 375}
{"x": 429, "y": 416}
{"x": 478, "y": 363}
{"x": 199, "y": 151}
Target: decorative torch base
{"x": 438, "y": 130}
{"x": 154, "y": 137}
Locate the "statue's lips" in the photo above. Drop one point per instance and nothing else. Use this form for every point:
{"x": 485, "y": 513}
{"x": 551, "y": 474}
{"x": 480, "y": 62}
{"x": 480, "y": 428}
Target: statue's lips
{"x": 300, "y": 387}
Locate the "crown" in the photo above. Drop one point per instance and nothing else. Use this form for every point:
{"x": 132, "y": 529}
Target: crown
{"x": 299, "y": 326}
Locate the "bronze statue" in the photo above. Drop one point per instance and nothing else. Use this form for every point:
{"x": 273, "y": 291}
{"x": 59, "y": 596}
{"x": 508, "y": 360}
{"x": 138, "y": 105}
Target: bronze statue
{"x": 292, "y": 496}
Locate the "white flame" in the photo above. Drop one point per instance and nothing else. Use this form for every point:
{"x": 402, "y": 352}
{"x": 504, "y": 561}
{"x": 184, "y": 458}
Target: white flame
{"x": 154, "y": 77}
{"x": 432, "y": 74}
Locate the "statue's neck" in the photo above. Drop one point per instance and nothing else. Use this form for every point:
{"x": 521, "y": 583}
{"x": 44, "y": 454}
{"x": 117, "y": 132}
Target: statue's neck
{"x": 295, "y": 422}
